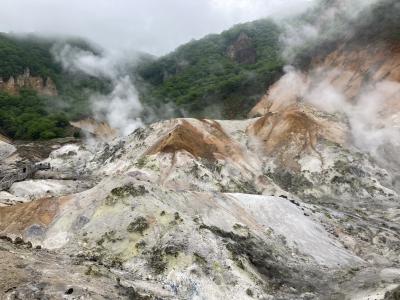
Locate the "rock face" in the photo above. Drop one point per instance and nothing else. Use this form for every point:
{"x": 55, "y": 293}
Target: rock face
{"x": 242, "y": 50}
{"x": 45, "y": 87}
{"x": 96, "y": 129}
{"x": 6, "y": 150}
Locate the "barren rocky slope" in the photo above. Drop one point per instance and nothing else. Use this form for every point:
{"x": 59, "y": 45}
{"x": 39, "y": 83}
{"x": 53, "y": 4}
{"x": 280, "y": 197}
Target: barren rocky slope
{"x": 279, "y": 207}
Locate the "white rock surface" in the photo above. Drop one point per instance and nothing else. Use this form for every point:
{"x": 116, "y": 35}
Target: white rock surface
{"x": 7, "y": 199}
{"x": 6, "y": 150}
{"x": 35, "y": 189}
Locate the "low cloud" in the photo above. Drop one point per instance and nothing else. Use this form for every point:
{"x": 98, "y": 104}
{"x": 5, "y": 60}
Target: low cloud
{"x": 154, "y": 26}
{"x": 327, "y": 20}
{"x": 121, "y": 109}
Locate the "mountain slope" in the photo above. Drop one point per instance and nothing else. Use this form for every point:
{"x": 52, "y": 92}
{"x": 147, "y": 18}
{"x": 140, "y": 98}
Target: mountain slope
{"x": 219, "y": 75}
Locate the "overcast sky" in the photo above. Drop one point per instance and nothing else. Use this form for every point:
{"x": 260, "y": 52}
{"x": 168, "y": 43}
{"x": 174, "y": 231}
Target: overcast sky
{"x": 154, "y": 26}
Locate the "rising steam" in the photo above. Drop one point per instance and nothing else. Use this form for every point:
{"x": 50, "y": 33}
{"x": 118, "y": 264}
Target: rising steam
{"x": 121, "y": 109}
{"x": 328, "y": 20}
{"x": 373, "y": 124}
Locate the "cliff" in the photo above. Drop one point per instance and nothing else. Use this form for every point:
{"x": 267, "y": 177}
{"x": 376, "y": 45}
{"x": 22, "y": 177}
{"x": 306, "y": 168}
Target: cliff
{"x": 45, "y": 87}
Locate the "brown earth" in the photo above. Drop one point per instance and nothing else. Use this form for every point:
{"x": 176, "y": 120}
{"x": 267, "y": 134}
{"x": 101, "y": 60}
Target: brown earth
{"x": 206, "y": 141}
{"x": 21, "y": 216}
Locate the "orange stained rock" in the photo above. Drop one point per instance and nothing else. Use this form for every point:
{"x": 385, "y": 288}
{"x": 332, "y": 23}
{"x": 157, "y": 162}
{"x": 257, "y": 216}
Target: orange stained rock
{"x": 202, "y": 139}
{"x": 18, "y": 218}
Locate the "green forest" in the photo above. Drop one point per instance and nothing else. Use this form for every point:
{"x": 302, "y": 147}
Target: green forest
{"x": 24, "y": 117}
{"x": 202, "y": 79}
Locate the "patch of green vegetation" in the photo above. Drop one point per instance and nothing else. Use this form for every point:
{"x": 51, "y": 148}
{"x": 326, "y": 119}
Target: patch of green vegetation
{"x": 212, "y": 165}
{"x": 145, "y": 162}
{"x": 139, "y": 225}
{"x": 173, "y": 250}
{"x": 129, "y": 190}
{"x": 200, "y": 260}
{"x": 125, "y": 191}
{"x": 345, "y": 168}
{"x": 328, "y": 215}
{"x": 249, "y": 293}
{"x": 109, "y": 236}
{"x": 289, "y": 181}
{"x": 265, "y": 259}
{"x": 17, "y": 54}
{"x": 177, "y": 217}
{"x": 141, "y": 162}
{"x": 255, "y": 250}
{"x": 157, "y": 260}
{"x": 140, "y": 245}
{"x": 132, "y": 294}
{"x": 177, "y": 220}
{"x": 353, "y": 177}
{"x": 159, "y": 256}
{"x": 93, "y": 271}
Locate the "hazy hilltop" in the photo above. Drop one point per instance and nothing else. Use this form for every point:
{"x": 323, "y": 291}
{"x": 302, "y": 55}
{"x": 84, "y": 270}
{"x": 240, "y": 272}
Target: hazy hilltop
{"x": 221, "y": 75}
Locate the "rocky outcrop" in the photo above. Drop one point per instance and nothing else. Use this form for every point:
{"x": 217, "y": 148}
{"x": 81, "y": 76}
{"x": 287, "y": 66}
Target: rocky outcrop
{"x": 45, "y": 87}
{"x": 98, "y": 130}
{"x": 242, "y": 50}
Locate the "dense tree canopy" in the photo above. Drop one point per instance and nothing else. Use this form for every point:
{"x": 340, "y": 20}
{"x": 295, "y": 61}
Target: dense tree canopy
{"x": 201, "y": 75}
{"x": 25, "y": 117}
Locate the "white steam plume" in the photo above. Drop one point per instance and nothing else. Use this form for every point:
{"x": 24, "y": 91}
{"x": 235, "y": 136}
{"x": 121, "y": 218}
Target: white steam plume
{"x": 373, "y": 116}
{"x": 121, "y": 108}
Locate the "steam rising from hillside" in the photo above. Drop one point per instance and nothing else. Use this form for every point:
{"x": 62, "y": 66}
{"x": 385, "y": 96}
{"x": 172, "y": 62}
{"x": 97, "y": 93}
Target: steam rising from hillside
{"x": 121, "y": 109}
{"x": 367, "y": 114}
{"x": 371, "y": 125}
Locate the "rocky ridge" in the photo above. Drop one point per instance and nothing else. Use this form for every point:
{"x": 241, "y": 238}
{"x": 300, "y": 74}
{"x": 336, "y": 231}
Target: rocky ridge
{"x": 44, "y": 87}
